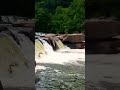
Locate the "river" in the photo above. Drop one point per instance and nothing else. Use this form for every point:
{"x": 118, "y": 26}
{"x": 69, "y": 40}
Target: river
{"x": 63, "y": 69}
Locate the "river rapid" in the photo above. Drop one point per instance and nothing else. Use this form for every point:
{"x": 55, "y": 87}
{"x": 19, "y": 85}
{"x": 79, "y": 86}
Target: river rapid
{"x": 63, "y": 69}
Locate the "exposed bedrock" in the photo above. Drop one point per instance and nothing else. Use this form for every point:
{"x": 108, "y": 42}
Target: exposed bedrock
{"x": 17, "y": 57}
{"x": 74, "y": 41}
{"x": 101, "y": 36}
{"x": 101, "y": 29}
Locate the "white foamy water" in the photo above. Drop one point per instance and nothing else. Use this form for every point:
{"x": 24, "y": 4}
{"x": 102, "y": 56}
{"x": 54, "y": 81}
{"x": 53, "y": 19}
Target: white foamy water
{"x": 63, "y": 56}
{"x": 47, "y": 47}
{"x": 61, "y": 66}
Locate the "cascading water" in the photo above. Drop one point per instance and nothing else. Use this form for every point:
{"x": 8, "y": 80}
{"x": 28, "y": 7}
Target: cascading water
{"x": 39, "y": 48}
{"x": 47, "y": 46}
{"x": 62, "y": 69}
{"x": 59, "y": 44}
{"x": 44, "y": 44}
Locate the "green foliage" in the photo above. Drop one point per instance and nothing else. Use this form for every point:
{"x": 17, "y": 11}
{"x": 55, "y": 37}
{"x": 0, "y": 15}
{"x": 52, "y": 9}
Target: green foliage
{"x": 59, "y": 16}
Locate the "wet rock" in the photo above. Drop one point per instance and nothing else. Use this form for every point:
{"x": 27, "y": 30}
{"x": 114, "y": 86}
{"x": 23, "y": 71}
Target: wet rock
{"x": 74, "y": 41}
{"x": 76, "y": 45}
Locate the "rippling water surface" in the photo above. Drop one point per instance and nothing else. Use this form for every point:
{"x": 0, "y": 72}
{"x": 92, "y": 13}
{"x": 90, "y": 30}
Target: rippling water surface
{"x": 61, "y": 70}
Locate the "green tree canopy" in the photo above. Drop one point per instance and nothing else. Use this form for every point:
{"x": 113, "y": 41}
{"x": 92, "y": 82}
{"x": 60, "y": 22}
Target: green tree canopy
{"x": 59, "y": 16}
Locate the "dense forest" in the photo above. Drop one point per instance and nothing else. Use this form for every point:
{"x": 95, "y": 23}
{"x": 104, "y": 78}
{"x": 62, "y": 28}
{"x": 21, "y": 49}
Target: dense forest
{"x": 102, "y": 8}
{"x": 59, "y": 16}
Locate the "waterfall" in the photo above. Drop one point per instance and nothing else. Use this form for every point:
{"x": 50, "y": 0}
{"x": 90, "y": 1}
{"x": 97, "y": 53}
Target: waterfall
{"x": 59, "y": 67}
{"x": 56, "y": 44}
{"x": 47, "y": 46}
{"x": 60, "y": 45}
{"x": 39, "y": 48}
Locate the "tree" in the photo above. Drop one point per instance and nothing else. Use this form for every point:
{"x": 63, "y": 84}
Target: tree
{"x": 41, "y": 17}
{"x": 59, "y": 20}
{"x": 77, "y": 15}
{"x": 59, "y": 16}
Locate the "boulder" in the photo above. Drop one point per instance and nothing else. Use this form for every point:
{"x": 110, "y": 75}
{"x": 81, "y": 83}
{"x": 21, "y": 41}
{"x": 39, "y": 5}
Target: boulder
{"x": 74, "y": 41}
{"x": 101, "y": 36}
{"x": 74, "y": 38}
{"x": 51, "y": 36}
{"x": 77, "y": 46}
{"x": 14, "y": 63}
{"x": 17, "y": 57}
{"x": 61, "y": 37}
{"x": 101, "y": 29}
